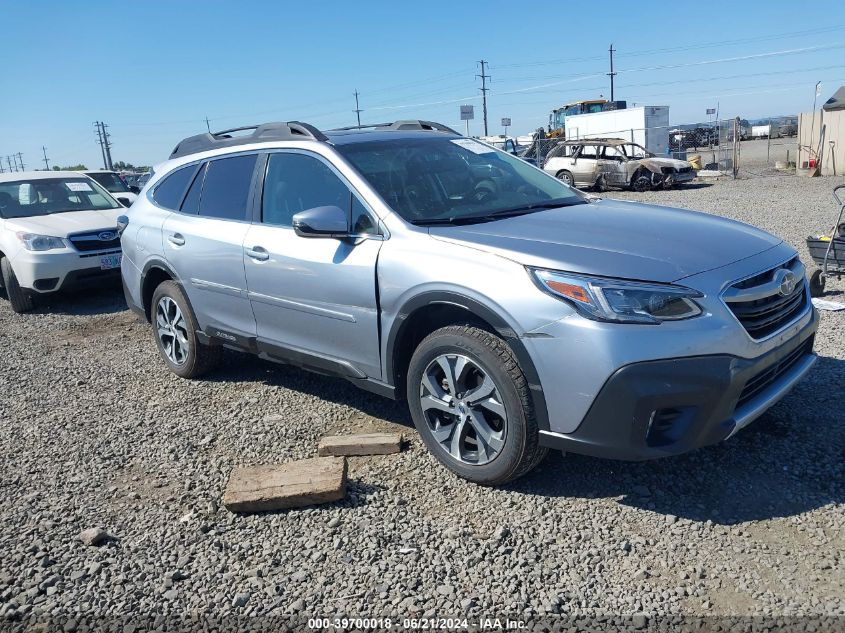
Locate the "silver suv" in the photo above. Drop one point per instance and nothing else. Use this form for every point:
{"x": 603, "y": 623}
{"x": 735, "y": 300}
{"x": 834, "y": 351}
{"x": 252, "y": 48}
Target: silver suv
{"x": 513, "y": 313}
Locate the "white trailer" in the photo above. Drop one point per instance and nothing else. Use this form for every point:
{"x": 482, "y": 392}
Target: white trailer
{"x": 770, "y": 130}
{"x": 646, "y": 125}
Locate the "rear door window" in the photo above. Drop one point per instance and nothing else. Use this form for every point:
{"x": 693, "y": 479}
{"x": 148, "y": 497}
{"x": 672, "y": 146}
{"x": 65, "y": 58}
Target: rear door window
{"x": 225, "y": 192}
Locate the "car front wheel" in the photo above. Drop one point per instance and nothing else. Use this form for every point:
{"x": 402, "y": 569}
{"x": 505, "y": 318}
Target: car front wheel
{"x": 471, "y": 405}
{"x": 19, "y": 299}
{"x": 175, "y": 329}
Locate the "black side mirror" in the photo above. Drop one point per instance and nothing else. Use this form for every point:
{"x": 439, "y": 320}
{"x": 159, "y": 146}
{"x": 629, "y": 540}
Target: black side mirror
{"x": 122, "y": 223}
{"x": 330, "y": 221}
{"x": 134, "y": 189}
{"x": 124, "y": 201}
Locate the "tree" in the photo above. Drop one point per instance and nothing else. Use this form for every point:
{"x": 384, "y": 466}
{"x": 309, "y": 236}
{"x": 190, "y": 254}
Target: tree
{"x": 79, "y": 167}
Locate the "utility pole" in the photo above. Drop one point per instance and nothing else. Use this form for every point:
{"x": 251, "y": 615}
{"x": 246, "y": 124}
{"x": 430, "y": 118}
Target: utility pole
{"x": 20, "y": 160}
{"x": 357, "y": 109}
{"x": 208, "y": 127}
{"x": 46, "y": 160}
{"x": 106, "y": 142}
{"x": 484, "y": 77}
{"x": 9, "y": 160}
{"x": 611, "y": 74}
{"x": 100, "y": 141}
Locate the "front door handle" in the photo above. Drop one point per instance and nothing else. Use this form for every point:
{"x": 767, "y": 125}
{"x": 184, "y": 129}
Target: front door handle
{"x": 258, "y": 253}
{"x": 176, "y": 239}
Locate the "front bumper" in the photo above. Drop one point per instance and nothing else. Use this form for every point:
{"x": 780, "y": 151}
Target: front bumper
{"x": 661, "y": 408}
{"x": 41, "y": 272}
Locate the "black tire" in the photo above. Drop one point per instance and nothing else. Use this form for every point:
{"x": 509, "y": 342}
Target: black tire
{"x": 197, "y": 359}
{"x": 816, "y": 284}
{"x": 565, "y": 177}
{"x": 19, "y": 299}
{"x": 521, "y": 451}
{"x": 641, "y": 181}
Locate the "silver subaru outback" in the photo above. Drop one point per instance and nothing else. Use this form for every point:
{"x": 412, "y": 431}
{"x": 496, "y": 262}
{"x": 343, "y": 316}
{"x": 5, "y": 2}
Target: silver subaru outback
{"x": 513, "y": 313}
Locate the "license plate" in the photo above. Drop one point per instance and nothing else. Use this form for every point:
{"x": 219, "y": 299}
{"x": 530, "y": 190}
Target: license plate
{"x": 109, "y": 262}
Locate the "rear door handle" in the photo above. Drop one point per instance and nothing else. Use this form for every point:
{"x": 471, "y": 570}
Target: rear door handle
{"x": 176, "y": 239}
{"x": 258, "y": 253}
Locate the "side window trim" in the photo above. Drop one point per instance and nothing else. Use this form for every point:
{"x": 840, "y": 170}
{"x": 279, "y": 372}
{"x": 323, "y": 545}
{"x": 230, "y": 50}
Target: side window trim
{"x": 353, "y": 191}
{"x": 199, "y": 174}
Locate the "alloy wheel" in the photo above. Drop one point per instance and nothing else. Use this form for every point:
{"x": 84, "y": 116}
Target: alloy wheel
{"x": 172, "y": 330}
{"x": 463, "y": 409}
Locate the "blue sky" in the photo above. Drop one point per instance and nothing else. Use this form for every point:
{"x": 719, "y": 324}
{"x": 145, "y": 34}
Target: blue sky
{"x": 154, "y": 70}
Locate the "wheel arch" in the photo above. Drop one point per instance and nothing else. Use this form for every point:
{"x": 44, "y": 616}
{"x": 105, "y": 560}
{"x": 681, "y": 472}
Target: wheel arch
{"x": 430, "y": 311}
{"x": 155, "y": 272}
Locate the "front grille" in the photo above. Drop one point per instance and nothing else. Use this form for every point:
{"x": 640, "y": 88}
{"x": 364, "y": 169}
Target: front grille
{"x": 117, "y": 252}
{"x": 769, "y": 375}
{"x": 93, "y": 241}
{"x": 758, "y": 304}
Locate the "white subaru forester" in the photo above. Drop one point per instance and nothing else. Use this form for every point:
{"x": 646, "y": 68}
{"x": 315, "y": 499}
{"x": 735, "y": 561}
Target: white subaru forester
{"x": 57, "y": 230}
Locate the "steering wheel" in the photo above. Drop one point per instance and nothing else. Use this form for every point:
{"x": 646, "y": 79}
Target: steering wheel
{"x": 485, "y": 191}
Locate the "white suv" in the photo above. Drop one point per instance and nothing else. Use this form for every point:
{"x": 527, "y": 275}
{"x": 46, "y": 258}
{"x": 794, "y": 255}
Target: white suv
{"x": 57, "y": 229}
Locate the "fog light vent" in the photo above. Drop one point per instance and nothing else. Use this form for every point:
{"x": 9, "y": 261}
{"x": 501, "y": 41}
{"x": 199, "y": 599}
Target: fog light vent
{"x": 667, "y": 426}
{"x": 46, "y": 284}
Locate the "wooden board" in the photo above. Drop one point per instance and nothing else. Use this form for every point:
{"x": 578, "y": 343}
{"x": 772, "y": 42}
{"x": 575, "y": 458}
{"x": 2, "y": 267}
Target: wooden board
{"x": 361, "y": 444}
{"x": 292, "y": 485}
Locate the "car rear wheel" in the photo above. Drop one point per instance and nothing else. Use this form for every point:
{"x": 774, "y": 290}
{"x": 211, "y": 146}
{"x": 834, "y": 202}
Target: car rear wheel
{"x": 471, "y": 405}
{"x": 175, "y": 329}
{"x": 565, "y": 177}
{"x": 19, "y": 299}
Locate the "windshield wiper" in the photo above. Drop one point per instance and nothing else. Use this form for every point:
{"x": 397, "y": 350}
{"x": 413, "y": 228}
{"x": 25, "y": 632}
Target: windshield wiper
{"x": 502, "y": 213}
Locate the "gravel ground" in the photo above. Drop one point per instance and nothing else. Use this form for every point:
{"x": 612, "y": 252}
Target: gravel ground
{"x": 95, "y": 432}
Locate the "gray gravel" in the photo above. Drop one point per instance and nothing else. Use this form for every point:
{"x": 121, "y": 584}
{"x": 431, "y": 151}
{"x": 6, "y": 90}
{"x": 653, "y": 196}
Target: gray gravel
{"x": 95, "y": 433}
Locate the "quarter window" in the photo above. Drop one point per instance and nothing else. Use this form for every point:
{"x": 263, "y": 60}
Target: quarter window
{"x": 191, "y": 204}
{"x": 225, "y": 191}
{"x": 168, "y": 193}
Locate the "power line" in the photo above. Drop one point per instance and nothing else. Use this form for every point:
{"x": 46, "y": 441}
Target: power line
{"x": 357, "y": 109}
{"x": 484, "y": 77}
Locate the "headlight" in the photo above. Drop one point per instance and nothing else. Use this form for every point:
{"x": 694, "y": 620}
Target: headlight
{"x": 620, "y": 301}
{"x": 33, "y": 242}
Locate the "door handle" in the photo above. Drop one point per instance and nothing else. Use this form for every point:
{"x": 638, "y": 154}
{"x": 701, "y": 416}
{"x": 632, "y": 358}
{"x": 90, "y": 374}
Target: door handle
{"x": 258, "y": 253}
{"x": 176, "y": 239}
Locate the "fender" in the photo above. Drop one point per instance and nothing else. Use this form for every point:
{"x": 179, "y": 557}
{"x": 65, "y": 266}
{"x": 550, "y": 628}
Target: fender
{"x": 502, "y": 328}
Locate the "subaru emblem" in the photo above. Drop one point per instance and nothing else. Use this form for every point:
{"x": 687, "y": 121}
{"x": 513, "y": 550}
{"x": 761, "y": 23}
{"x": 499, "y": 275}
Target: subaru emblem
{"x": 107, "y": 236}
{"x": 786, "y": 281}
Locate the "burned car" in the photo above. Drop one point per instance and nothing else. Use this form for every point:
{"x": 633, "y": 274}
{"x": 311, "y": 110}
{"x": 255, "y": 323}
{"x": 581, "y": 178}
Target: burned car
{"x": 605, "y": 163}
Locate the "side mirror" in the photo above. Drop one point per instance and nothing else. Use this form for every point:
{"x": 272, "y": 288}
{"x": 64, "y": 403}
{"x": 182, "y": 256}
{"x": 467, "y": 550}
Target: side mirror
{"x": 134, "y": 189}
{"x": 330, "y": 221}
{"x": 124, "y": 201}
{"x": 122, "y": 223}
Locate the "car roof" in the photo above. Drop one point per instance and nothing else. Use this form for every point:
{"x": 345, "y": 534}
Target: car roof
{"x": 98, "y": 171}
{"x": 39, "y": 175}
{"x": 599, "y": 141}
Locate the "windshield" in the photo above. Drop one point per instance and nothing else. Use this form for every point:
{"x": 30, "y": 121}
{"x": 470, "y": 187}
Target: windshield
{"x": 44, "y": 196}
{"x": 444, "y": 180}
{"x": 637, "y": 151}
{"x": 111, "y": 181}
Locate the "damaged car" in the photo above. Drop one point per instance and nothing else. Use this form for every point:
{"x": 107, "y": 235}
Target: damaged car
{"x": 614, "y": 163}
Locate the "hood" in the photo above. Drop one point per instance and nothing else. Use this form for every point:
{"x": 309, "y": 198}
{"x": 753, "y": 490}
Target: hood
{"x": 612, "y": 238}
{"x": 665, "y": 162}
{"x": 64, "y": 224}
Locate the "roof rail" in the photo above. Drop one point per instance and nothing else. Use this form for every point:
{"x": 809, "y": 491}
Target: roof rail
{"x": 404, "y": 124}
{"x": 292, "y": 130}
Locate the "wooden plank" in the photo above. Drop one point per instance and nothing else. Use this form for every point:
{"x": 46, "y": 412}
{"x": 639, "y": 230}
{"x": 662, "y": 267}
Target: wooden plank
{"x": 360, "y": 444}
{"x": 292, "y": 485}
